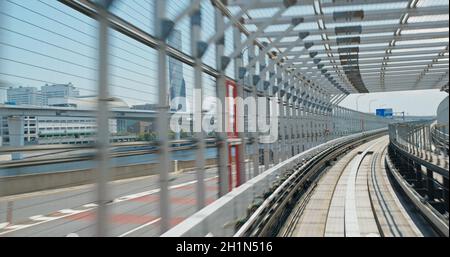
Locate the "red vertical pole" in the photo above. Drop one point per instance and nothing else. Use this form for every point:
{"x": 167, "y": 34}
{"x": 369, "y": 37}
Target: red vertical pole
{"x": 230, "y": 169}
{"x": 235, "y": 135}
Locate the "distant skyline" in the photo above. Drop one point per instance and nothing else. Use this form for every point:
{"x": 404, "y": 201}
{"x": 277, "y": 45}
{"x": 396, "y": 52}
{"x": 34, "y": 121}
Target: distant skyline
{"x": 414, "y": 103}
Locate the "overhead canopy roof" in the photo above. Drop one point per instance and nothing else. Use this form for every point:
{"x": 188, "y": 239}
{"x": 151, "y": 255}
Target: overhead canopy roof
{"x": 356, "y": 46}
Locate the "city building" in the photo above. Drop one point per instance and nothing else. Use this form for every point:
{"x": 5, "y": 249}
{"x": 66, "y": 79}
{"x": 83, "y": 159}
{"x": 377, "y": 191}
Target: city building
{"x": 63, "y": 130}
{"x": 24, "y": 96}
{"x": 54, "y": 93}
{"x": 176, "y": 77}
{"x": 55, "y": 130}
{"x": 48, "y": 95}
{"x": 141, "y": 127}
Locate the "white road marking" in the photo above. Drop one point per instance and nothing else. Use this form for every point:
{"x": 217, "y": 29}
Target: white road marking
{"x": 154, "y": 191}
{"x": 16, "y": 227}
{"x": 134, "y": 196}
{"x": 4, "y": 225}
{"x": 73, "y": 235}
{"x": 42, "y": 218}
{"x": 69, "y": 212}
{"x": 140, "y": 227}
{"x": 19, "y": 227}
{"x": 90, "y": 205}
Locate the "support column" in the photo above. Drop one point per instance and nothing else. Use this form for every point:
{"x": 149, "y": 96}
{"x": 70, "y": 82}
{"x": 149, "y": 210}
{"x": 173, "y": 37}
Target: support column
{"x": 255, "y": 134}
{"x": 290, "y": 122}
{"x": 102, "y": 169}
{"x": 16, "y": 128}
{"x": 297, "y": 120}
{"x": 163, "y": 28}
{"x": 273, "y": 113}
{"x": 282, "y": 126}
{"x": 282, "y": 131}
{"x": 419, "y": 177}
{"x": 199, "y": 135}
{"x": 240, "y": 110}
{"x": 224, "y": 176}
{"x": 263, "y": 75}
{"x": 428, "y": 128}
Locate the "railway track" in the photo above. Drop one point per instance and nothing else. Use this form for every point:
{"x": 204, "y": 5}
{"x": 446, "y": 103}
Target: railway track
{"x": 270, "y": 217}
{"x": 355, "y": 199}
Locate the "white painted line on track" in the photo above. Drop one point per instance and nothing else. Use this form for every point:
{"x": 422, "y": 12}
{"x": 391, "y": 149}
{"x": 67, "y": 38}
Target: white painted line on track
{"x": 140, "y": 227}
{"x": 350, "y": 214}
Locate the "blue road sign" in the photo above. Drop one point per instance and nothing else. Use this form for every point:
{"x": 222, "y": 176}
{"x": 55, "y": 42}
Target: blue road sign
{"x": 386, "y": 113}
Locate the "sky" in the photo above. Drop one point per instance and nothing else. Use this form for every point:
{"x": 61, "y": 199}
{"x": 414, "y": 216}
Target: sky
{"x": 44, "y": 41}
{"x": 415, "y": 103}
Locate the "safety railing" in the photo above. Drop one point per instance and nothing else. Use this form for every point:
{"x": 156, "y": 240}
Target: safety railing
{"x": 421, "y": 139}
{"x": 440, "y": 138}
{"x": 420, "y": 167}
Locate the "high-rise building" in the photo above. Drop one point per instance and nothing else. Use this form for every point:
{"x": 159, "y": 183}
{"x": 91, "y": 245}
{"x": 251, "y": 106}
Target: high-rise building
{"x": 176, "y": 79}
{"x": 24, "y": 96}
{"x": 52, "y": 93}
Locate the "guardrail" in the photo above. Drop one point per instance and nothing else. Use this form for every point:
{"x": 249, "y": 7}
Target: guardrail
{"x": 421, "y": 140}
{"x": 421, "y": 170}
{"x": 72, "y": 152}
{"x": 438, "y": 220}
{"x": 229, "y": 214}
{"x": 440, "y": 138}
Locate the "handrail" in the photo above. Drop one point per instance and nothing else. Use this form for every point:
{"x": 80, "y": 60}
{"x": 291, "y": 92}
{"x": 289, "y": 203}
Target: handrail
{"x": 440, "y": 138}
{"x": 413, "y": 147}
{"x": 437, "y": 219}
{"x": 422, "y": 139}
